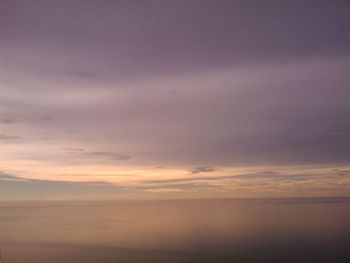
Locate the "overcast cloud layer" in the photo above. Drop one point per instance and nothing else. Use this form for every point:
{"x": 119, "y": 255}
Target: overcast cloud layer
{"x": 133, "y": 92}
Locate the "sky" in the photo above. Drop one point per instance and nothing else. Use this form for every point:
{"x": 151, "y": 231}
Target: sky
{"x": 174, "y": 99}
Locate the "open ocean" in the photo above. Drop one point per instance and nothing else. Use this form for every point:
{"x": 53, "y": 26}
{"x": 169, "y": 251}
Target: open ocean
{"x": 288, "y": 230}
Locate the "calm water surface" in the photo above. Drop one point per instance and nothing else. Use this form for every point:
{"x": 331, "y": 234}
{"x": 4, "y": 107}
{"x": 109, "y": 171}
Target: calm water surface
{"x": 316, "y": 230}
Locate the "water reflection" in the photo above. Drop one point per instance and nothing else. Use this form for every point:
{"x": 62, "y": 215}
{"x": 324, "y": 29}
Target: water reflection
{"x": 176, "y": 231}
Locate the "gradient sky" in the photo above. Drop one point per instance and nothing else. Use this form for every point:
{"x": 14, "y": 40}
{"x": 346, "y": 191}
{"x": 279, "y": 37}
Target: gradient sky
{"x": 188, "y": 98}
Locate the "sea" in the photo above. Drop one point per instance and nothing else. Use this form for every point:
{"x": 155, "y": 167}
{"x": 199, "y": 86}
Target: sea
{"x": 226, "y": 230}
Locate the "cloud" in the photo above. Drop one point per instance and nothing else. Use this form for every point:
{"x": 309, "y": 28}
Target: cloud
{"x": 123, "y": 26}
{"x": 166, "y": 190}
{"x": 45, "y": 118}
{"x": 4, "y": 137}
{"x": 73, "y": 150}
{"x": 7, "y": 121}
{"x": 13, "y": 179}
{"x": 202, "y": 169}
{"x": 97, "y": 154}
{"x": 80, "y": 74}
{"x": 140, "y": 84}
{"x": 13, "y": 187}
{"x": 5, "y": 177}
{"x": 269, "y": 176}
{"x": 262, "y": 183}
{"x": 213, "y": 178}
{"x": 110, "y": 155}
